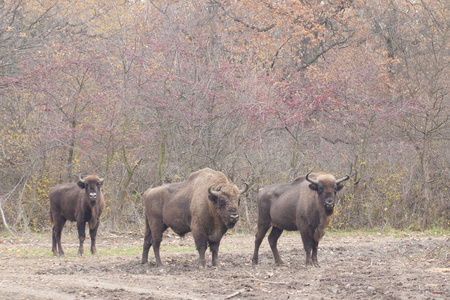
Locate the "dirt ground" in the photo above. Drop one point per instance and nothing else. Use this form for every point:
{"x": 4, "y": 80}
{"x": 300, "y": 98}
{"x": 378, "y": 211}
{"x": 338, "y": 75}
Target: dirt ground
{"x": 378, "y": 266}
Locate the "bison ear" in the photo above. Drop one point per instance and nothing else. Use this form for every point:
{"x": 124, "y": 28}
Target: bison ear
{"x": 339, "y": 187}
{"x": 313, "y": 186}
{"x": 212, "y": 198}
{"x": 81, "y": 184}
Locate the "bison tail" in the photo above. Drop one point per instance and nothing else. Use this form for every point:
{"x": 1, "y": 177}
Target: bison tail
{"x": 51, "y": 216}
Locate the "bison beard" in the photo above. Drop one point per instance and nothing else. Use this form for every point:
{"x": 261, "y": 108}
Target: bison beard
{"x": 81, "y": 202}
{"x": 305, "y": 205}
{"x": 206, "y": 204}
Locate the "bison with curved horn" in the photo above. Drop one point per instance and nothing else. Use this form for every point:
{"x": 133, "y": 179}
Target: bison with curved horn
{"x": 305, "y": 205}
{"x": 81, "y": 202}
{"x": 206, "y": 204}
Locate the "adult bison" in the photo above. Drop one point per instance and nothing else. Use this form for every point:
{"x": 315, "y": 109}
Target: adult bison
{"x": 206, "y": 204}
{"x": 81, "y": 202}
{"x": 306, "y": 205}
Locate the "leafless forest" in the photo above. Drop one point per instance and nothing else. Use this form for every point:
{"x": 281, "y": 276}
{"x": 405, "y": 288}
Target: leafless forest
{"x": 146, "y": 92}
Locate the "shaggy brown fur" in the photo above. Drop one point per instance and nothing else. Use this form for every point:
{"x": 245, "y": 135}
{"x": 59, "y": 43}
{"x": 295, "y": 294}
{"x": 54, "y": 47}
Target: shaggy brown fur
{"x": 81, "y": 202}
{"x": 206, "y": 204}
{"x": 306, "y": 205}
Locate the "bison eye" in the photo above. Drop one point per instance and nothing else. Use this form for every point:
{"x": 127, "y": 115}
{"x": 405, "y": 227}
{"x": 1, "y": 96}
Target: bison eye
{"x": 222, "y": 202}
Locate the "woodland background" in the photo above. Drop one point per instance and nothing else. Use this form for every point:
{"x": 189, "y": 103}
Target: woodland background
{"x": 146, "y": 92}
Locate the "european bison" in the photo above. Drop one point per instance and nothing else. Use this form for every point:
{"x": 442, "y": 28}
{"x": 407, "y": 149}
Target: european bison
{"x": 306, "y": 205}
{"x": 81, "y": 202}
{"x": 206, "y": 204}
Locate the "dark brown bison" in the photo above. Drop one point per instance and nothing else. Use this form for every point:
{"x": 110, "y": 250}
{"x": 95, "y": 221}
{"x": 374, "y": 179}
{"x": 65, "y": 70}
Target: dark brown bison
{"x": 206, "y": 204}
{"x": 81, "y": 202}
{"x": 306, "y": 205}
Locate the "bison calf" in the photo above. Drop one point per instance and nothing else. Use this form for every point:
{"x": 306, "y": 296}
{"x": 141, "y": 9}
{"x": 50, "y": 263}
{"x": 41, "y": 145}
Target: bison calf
{"x": 81, "y": 202}
{"x": 306, "y": 205}
{"x": 206, "y": 204}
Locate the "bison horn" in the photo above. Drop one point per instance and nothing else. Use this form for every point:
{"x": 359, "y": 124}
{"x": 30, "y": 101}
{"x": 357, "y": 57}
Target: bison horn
{"x": 80, "y": 179}
{"x": 310, "y": 179}
{"x": 214, "y": 193}
{"x": 244, "y": 189}
{"x": 342, "y": 179}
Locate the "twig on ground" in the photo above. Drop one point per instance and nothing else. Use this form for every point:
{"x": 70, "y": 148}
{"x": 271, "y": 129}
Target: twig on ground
{"x": 235, "y": 294}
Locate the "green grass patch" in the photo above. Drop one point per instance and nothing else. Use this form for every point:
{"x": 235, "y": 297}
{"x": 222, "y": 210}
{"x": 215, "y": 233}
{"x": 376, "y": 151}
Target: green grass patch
{"x": 178, "y": 249}
{"x": 26, "y": 252}
{"x": 132, "y": 251}
{"x": 388, "y": 232}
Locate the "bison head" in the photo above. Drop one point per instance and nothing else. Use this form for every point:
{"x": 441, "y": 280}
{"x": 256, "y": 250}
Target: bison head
{"x": 91, "y": 184}
{"x": 225, "y": 199}
{"x": 326, "y": 187}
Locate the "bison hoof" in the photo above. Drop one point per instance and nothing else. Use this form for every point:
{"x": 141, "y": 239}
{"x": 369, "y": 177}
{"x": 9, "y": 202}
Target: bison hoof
{"x": 309, "y": 267}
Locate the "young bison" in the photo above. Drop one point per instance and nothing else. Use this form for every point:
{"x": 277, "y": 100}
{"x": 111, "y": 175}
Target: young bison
{"x": 206, "y": 204}
{"x": 305, "y": 205}
{"x": 81, "y": 202}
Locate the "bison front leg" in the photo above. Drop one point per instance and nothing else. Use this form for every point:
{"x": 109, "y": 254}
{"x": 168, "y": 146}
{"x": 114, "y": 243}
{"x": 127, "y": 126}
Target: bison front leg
{"x": 214, "y": 247}
{"x": 310, "y": 246}
{"x": 81, "y": 226}
{"x": 201, "y": 245}
{"x": 93, "y": 227}
{"x": 315, "y": 262}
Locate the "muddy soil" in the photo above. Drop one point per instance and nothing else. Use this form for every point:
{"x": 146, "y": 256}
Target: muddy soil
{"x": 352, "y": 267}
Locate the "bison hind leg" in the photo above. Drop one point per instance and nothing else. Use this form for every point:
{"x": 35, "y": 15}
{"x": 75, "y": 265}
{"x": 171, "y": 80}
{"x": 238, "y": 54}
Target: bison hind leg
{"x": 58, "y": 225}
{"x": 155, "y": 241}
{"x": 273, "y": 240}
{"x": 260, "y": 234}
{"x": 147, "y": 243}
{"x": 146, "y": 248}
